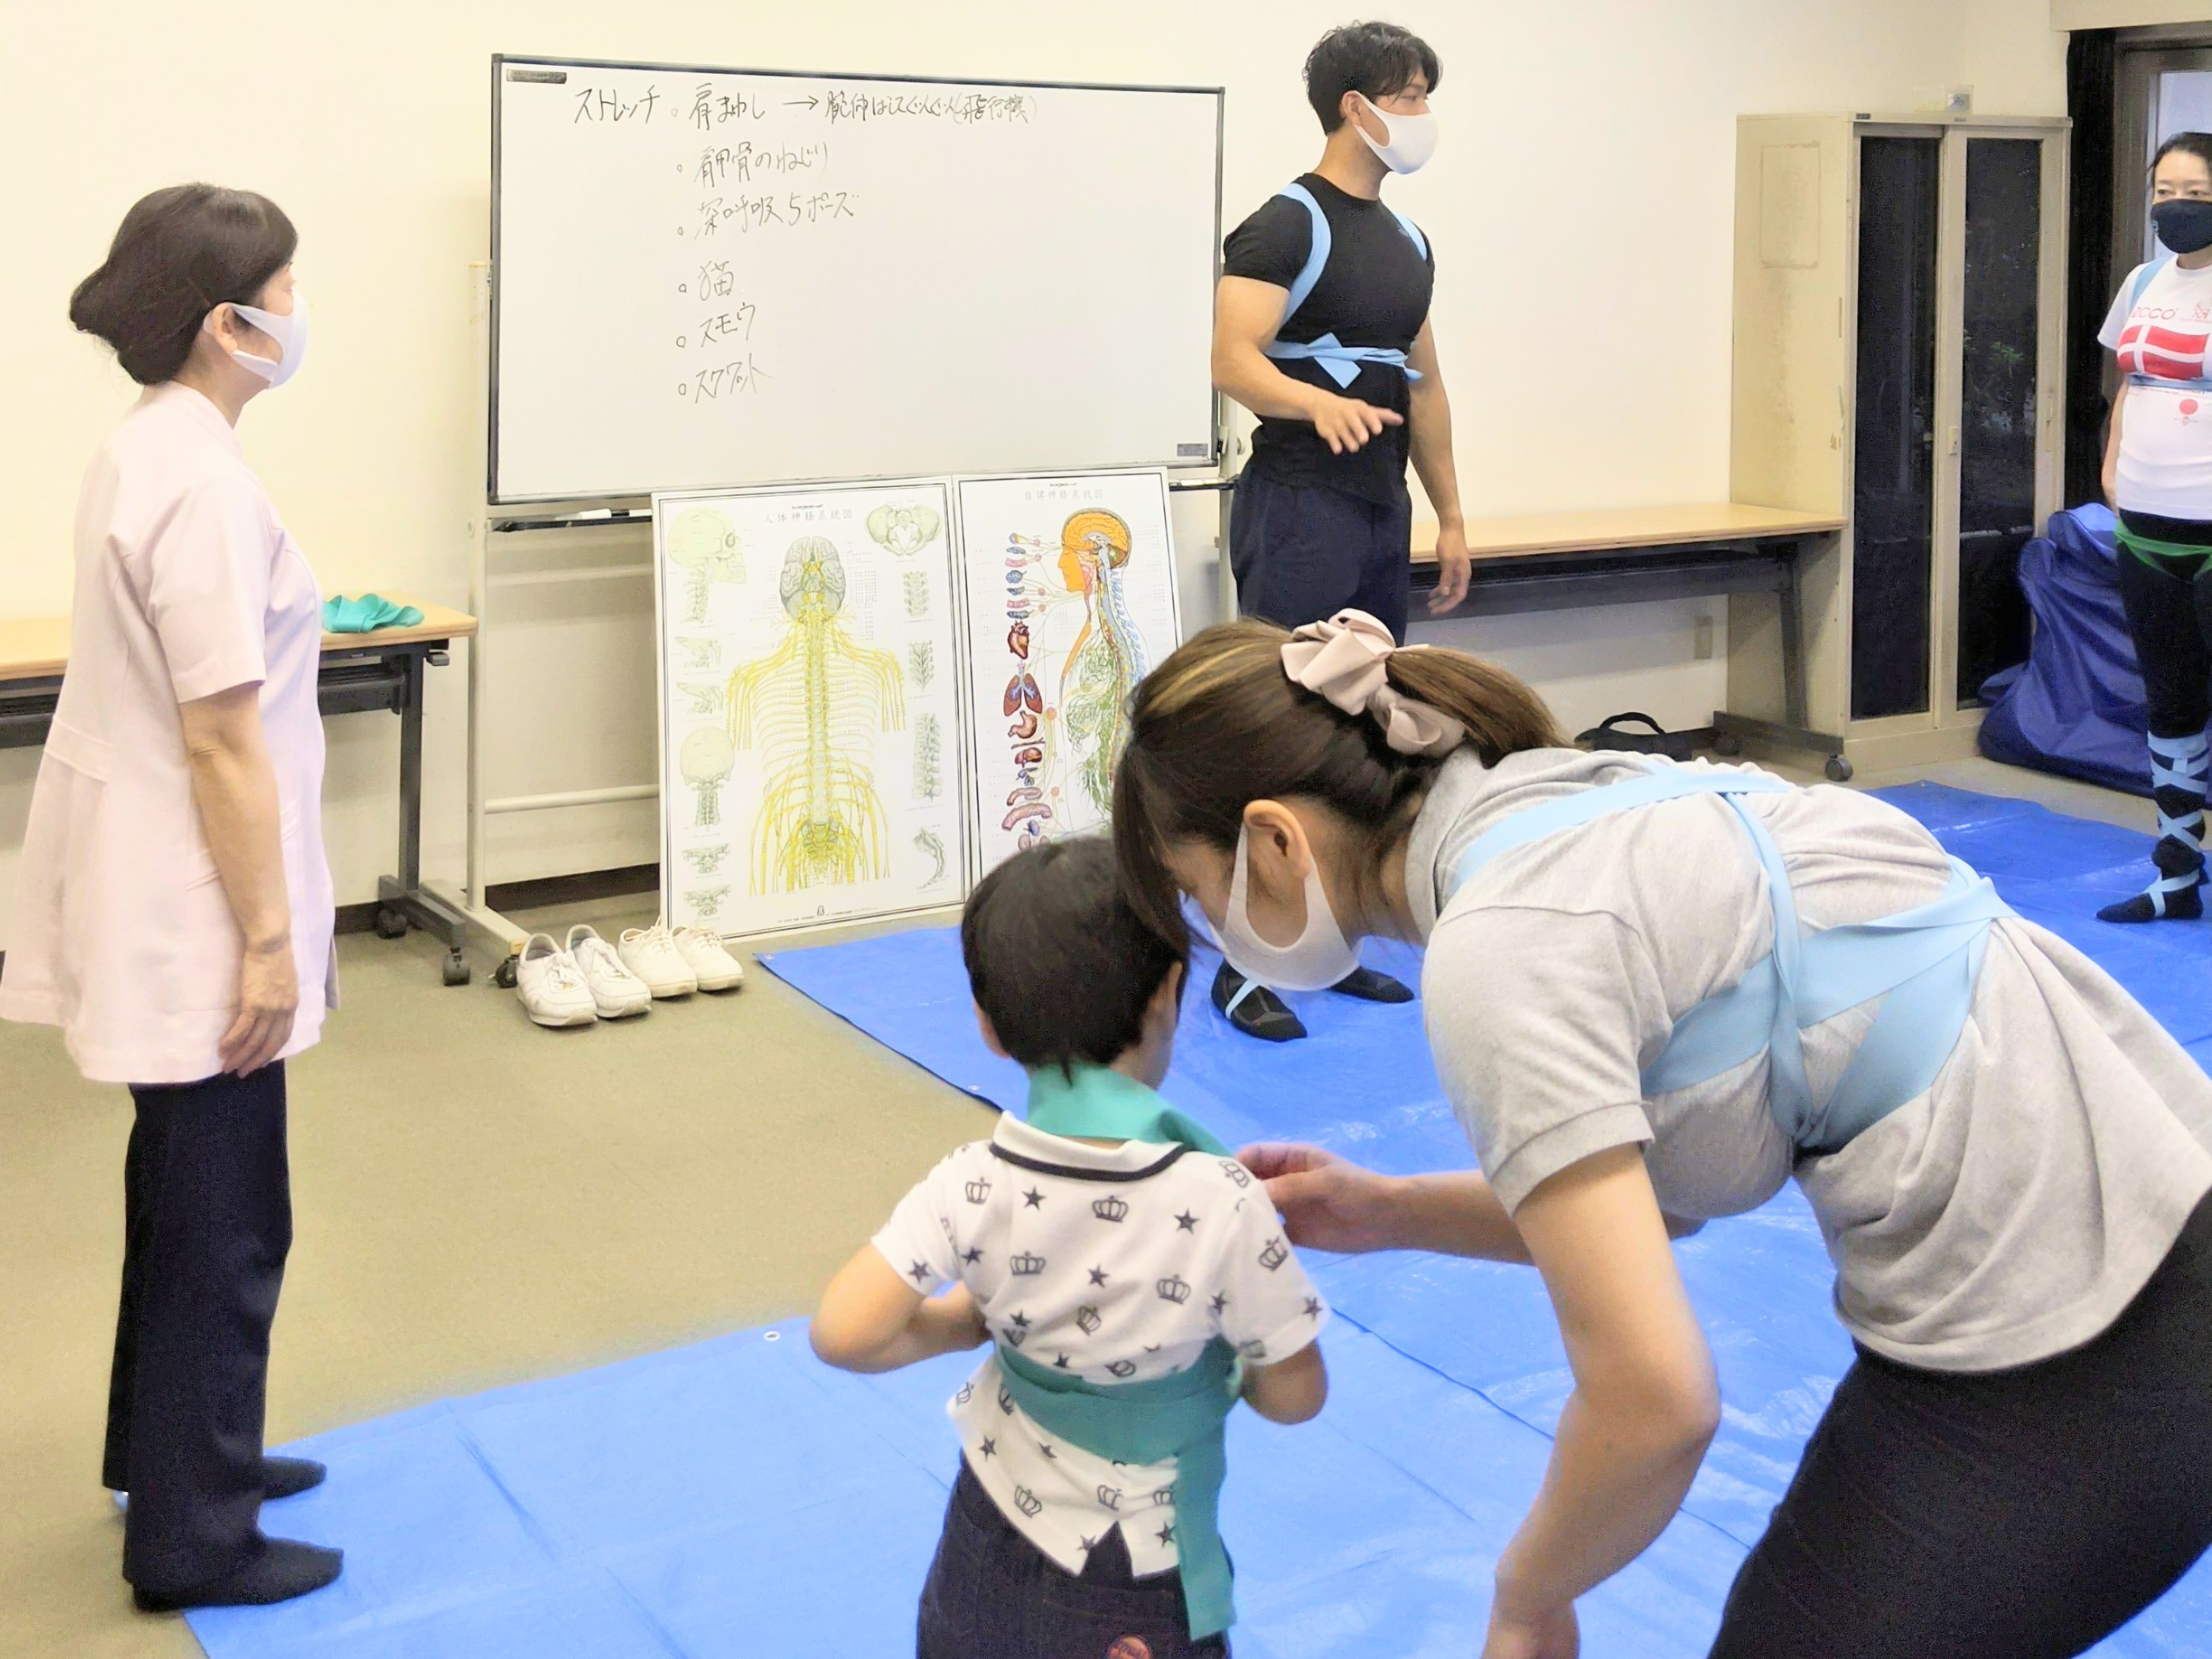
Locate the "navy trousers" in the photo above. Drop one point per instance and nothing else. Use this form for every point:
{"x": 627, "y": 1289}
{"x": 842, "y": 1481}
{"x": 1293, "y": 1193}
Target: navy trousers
{"x": 207, "y": 1224}
{"x": 993, "y": 1595}
{"x": 1302, "y": 553}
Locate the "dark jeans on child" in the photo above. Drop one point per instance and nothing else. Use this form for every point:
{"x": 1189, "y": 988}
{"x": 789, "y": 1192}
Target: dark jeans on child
{"x": 1303, "y": 552}
{"x": 207, "y": 1218}
{"x": 993, "y": 1595}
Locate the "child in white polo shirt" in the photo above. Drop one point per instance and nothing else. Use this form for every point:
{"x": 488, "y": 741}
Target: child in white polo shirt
{"x": 1132, "y": 1273}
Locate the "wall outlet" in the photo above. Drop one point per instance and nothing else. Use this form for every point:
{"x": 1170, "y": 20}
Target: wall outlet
{"x": 1701, "y": 635}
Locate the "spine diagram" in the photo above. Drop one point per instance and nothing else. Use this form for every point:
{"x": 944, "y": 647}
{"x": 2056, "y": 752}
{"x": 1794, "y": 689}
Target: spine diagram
{"x": 812, "y": 707}
{"x": 1108, "y": 658}
{"x": 1064, "y": 739}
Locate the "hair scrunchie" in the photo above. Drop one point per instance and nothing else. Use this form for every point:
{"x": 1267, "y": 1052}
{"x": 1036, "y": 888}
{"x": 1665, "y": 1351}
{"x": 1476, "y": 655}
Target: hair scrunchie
{"x": 1346, "y": 659}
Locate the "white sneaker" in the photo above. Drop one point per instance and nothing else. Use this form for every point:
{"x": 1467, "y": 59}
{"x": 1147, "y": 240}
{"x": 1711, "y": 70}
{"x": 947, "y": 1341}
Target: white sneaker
{"x": 615, "y": 990}
{"x": 551, "y": 985}
{"x": 714, "y": 968}
{"x": 651, "y": 954}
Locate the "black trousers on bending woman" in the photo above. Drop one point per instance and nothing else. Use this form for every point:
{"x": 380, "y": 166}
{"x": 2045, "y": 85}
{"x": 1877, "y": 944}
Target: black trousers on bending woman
{"x": 207, "y": 1224}
{"x": 2169, "y": 603}
{"x": 2023, "y": 1514}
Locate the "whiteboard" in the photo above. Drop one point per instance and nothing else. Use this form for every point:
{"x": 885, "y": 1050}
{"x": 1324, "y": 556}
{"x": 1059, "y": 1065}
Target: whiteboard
{"x": 810, "y": 695}
{"x": 1070, "y": 597}
{"x": 709, "y": 278}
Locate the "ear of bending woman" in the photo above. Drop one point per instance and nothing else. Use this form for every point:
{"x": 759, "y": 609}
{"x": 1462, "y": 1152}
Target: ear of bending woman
{"x": 1656, "y": 993}
{"x": 175, "y": 900}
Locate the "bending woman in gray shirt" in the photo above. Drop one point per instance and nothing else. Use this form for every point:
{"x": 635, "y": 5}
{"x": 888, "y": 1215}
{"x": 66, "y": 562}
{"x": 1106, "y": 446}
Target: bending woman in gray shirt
{"x": 2009, "y": 1158}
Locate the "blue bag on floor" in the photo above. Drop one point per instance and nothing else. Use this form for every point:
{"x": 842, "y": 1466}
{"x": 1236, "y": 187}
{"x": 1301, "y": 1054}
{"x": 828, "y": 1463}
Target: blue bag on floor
{"x": 2076, "y": 706}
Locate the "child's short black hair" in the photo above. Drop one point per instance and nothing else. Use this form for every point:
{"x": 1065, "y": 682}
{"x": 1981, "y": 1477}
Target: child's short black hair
{"x": 1377, "y": 59}
{"x": 1057, "y": 959}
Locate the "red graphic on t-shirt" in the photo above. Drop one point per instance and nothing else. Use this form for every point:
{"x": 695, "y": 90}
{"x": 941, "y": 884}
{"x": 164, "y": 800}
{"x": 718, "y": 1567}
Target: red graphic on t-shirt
{"x": 2163, "y": 354}
{"x": 1130, "y": 1646}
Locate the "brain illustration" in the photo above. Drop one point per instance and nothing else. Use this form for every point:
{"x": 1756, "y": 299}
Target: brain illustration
{"x": 1104, "y": 535}
{"x": 903, "y": 530}
{"x": 811, "y": 569}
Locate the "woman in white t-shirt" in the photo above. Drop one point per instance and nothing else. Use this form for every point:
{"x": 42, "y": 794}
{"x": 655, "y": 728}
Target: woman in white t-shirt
{"x": 174, "y": 898}
{"x": 1652, "y": 997}
{"x": 2158, "y": 477}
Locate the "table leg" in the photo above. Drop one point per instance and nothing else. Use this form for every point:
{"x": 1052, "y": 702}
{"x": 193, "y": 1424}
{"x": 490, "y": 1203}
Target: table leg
{"x": 1793, "y": 639}
{"x": 410, "y": 778}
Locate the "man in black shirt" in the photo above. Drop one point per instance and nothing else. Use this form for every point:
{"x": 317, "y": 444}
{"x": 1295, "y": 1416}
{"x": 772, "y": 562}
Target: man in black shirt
{"x": 1322, "y": 330}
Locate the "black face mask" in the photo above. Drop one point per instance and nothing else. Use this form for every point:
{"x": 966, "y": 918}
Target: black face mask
{"x": 2182, "y": 224}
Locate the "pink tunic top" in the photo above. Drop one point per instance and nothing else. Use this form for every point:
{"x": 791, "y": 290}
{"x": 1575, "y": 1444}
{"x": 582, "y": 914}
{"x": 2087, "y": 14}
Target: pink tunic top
{"x": 187, "y": 583}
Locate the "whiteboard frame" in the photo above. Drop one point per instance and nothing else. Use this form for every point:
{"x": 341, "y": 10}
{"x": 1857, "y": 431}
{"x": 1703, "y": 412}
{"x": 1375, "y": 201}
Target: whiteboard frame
{"x": 501, "y": 62}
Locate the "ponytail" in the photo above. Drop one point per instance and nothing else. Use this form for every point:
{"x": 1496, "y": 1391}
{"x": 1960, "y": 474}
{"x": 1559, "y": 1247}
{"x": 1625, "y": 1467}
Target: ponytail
{"x": 1219, "y": 724}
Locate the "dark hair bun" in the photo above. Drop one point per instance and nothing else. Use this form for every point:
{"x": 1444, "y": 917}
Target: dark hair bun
{"x": 179, "y": 254}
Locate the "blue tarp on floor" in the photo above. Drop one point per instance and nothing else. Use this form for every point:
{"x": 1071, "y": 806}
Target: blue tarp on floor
{"x": 737, "y": 1498}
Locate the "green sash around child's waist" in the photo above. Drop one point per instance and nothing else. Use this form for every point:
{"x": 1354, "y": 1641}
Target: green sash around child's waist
{"x": 1179, "y": 1416}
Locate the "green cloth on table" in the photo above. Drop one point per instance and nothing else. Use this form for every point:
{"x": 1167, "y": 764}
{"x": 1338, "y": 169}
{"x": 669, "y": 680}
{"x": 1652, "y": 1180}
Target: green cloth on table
{"x": 366, "y": 614}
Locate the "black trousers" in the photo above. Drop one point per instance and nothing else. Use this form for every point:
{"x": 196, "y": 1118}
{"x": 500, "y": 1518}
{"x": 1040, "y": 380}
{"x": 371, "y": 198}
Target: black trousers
{"x": 2170, "y": 619}
{"x": 207, "y": 1224}
{"x": 1301, "y": 554}
{"x": 2023, "y": 1514}
{"x": 993, "y": 1595}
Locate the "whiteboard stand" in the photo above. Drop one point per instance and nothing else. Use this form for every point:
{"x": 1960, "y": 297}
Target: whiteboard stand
{"x": 502, "y": 937}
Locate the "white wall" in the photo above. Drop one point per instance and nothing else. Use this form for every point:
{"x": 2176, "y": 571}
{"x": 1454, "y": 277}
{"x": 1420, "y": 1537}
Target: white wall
{"x": 1580, "y": 206}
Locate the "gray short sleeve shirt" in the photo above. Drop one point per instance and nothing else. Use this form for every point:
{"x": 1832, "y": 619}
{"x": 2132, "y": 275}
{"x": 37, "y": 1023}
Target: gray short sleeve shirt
{"x": 2008, "y": 1214}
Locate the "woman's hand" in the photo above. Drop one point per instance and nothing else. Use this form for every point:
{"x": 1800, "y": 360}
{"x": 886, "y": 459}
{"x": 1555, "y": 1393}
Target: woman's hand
{"x": 268, "y": 1000}
{"x": 1547, "y": 1635}
{"x": 1328, "y": 1202}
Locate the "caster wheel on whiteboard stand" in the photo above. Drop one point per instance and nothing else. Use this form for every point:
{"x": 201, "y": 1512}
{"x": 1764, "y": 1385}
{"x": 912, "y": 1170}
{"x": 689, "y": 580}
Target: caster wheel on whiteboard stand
{"x": 390, "y": 923}
{"x": 1728, "y": 745}
{"x": 503, "y": 976}
{"x": 1838, "y": 769}
{"x": 456, "y": 968}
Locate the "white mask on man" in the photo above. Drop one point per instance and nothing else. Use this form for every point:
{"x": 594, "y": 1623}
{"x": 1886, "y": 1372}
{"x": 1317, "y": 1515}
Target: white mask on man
{"x": 1319, "y": 955}
{"x": 1409, "y": 140}
{"x": 290, "y": 334}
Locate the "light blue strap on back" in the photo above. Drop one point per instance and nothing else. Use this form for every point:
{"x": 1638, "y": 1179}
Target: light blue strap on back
{"x": 2143, "y": 278}
{"x": 1925, "y": 962}
{"x": 1340, "y": 363}
{"x": 1317, "y": 251}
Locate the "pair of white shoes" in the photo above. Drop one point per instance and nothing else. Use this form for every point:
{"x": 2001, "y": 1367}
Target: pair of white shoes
{"x": 589, "y": 979}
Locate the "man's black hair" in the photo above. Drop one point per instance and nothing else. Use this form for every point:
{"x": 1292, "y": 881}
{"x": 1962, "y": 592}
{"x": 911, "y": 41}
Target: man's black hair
{"x": 1376, "y": 59}
{"x": 1057, "y": 959}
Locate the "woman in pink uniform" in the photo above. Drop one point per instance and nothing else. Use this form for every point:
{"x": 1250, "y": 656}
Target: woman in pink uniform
{"x": 176, "y": 911}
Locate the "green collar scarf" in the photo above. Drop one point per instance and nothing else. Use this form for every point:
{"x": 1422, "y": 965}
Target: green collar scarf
{"x": 1180, "y": 1416}
{"x": 1096, "y": 1104}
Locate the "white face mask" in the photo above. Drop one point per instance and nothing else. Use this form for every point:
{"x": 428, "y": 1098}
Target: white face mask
{"x": 1411, "y": 138}
{"x": 1316, "y": 960}
{"x": 290, "y": 334}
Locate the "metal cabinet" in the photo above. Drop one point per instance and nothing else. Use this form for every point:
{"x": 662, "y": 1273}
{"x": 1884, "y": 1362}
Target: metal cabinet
{"x": 1899, "y": 293}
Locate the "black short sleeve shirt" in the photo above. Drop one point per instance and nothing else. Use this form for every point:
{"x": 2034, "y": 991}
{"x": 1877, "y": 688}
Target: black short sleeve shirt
{"x": 1374, "y": 291}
